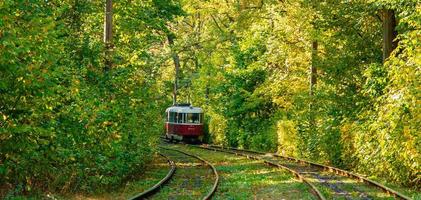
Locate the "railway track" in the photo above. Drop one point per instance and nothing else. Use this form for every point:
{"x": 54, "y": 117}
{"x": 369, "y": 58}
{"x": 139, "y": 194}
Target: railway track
{"x": 149, "y": 192}
{"x": 337, "y": 183}
{"x": 255, "y": 156}
{"x": 215, "y": 173}
{"x": 189, "y": 181}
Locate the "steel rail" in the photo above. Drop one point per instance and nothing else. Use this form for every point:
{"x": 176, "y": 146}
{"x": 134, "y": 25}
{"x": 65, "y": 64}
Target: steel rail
{"x": 338, "y": 171}
{"x": 216, "y": 182}
{"x": 342, "y": 172}
{"x": 297, "y": 174}
{"x": 158, "y": 185}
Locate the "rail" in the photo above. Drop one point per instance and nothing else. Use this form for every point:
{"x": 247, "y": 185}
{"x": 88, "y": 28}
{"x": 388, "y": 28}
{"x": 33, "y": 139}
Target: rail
{"x": 298, "y": 175}
{"x": 157, "y": 186}
{"x": 342, "y": 172}
{"x": 216, "y": 182}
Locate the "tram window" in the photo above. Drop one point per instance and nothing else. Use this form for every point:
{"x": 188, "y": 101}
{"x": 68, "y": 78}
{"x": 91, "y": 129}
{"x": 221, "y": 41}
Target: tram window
{"x": 193, "y": 118}
{"x": 180, "y": 118}
{"x": 196, "y": 118}
{"x": 189, "y": 117}
{"x": 172, "y": 117}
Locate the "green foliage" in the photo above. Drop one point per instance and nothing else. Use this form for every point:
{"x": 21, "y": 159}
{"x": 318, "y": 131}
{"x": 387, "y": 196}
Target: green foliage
{"x": 65, "y": 125}
{"x": 392, "y": 125}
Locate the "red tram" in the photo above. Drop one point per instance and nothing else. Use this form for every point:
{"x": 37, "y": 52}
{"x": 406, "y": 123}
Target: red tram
{"x": 184, "y": 122}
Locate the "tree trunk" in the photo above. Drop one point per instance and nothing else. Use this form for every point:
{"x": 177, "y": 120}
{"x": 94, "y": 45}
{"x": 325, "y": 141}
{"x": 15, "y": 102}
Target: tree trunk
{"x": 389, "y": 33}
{"x": 313, "y": 69}
{"x": 176, "y": 60}
{"x": 108, "y": 34}
{"x": 207, "y": 91}
{"x": 313, "y": 82}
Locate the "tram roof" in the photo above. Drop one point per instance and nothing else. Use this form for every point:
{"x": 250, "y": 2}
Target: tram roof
{"x": 184, "y": 109}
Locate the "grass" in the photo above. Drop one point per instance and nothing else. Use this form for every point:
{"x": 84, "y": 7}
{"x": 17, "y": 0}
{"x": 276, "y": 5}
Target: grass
{"x": 410, "y": 192}
{"x": 157, "y": 170}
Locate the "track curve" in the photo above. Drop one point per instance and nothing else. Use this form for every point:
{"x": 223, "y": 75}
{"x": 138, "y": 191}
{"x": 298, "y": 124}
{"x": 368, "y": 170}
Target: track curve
{"x": 316, "y": 192}
{"x": 216, "y": 182}
{"x": 158, "y": 185}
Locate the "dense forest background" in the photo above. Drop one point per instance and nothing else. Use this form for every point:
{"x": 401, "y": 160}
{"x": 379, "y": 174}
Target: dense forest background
{"x": 333, "y": 82}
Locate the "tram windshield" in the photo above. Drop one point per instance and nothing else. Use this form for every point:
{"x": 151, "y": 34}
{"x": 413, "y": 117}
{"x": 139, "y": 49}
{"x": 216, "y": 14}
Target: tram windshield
{"x": 190, "y": 118}
{"x": 193, "y": 118}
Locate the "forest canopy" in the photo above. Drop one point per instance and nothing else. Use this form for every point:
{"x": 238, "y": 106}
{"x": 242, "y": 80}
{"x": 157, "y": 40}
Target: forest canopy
{"x": 333, "y": 82}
